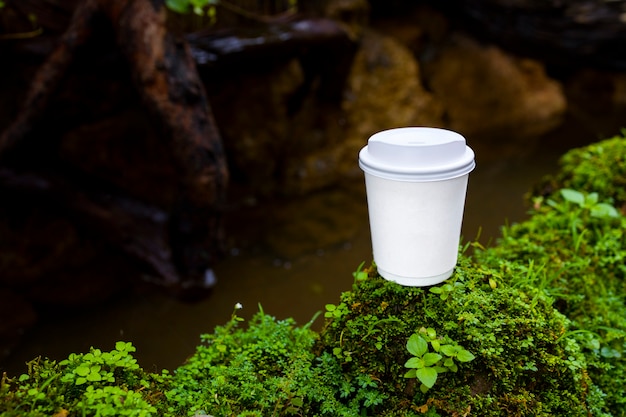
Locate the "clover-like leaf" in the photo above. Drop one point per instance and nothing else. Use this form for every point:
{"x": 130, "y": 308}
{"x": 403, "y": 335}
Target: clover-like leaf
{"x": 573, "y": 196}
{"x": 603, "y": 210}
{"x": 416, "y": 345}
{"x": 435, "y": 344}
{"x": 449, "y": 350}
{"x": 410, "y": 374}
{"x": 465, "y": 356}
{"x": 414, "y": 363}
{"x": 82, "y": 371}
{"x": 94, "y": 376}
{"x": 431, "y": 358}
{"x": 427, "y": 376}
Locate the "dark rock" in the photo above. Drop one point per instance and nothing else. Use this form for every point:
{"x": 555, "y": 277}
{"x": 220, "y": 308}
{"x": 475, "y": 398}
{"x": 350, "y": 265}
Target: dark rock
{"x": 490, "y": 93}
{"x": 564, "y": 33}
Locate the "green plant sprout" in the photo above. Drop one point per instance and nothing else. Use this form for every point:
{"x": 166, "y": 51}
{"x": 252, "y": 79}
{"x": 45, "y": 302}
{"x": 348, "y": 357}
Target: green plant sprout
{"x": 587, "y": 202}
{"x": 446, "y": 289}
{"x": 426, "y": 365}
{"x": 360, "y": 274}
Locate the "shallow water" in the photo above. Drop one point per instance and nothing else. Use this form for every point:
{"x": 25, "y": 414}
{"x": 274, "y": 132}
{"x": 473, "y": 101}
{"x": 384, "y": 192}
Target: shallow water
{"x": 291, "y": 257}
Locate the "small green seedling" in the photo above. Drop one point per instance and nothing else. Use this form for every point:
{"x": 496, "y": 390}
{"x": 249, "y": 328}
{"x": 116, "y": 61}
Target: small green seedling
{"x": 588, "y": 202}
{"x": 426, "y": 365}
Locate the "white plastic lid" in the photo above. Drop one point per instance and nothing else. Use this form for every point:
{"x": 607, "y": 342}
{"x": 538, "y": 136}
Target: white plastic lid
{"x": 417, "y": 154}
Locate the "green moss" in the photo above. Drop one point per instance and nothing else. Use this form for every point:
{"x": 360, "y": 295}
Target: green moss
{"x": 522, "y": 367}
{"x": 533, "y": 326}
{"x": 260, "y": 369}
{"x": 599, "y": 167}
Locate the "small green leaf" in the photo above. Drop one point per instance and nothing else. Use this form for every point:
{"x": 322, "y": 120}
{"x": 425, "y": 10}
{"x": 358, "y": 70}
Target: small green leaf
{"x": 414, "y": 363}
{"x": 465, "y": 356}
{"x": 573, "y": 196}
{"x": 410, "y": 374}
{"x": 603, "y": 210}
{"x": 93, "y": 377}
{"x": 416, "y": 345}
{"x": 435, "y": 344}
{"x": 431, "y": 358}
{"x": 124, "y": 346}
{"x": 82, "y": 371}
{"x": 591, "y": 199}
{"x": 427, "y": 376}
{"x": 449, "y": 350}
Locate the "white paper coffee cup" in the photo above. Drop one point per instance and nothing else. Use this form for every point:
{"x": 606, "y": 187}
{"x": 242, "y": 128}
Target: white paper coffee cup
{"x": 416, "y": 181}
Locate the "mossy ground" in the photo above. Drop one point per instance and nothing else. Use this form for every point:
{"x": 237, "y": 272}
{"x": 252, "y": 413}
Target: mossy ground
{"x": 540, "y": 317}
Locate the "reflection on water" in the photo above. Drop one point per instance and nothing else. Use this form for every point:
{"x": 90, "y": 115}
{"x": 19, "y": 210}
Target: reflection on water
{"x": 292, "y": 257}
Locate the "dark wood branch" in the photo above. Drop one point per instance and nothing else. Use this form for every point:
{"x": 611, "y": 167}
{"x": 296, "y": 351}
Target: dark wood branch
{"x": 139, "y": 229}
{"x": 48, "y": 78}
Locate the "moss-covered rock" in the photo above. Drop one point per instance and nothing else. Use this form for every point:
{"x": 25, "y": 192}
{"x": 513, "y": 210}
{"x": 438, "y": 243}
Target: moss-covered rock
{"x": 533, "y": 326}
{"x": 523, "y": 365}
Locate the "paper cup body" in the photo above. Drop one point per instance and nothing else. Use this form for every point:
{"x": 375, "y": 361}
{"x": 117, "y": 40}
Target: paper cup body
{"x": 416, "y": 181}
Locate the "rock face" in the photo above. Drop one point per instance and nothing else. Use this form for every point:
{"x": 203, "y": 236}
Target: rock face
{"x": 293, "y": 144}
{"x": 487, "y": 92}
{"x": 407, "y": 73}
{"x": 383, "y": 91}
{"x": 568, "y": 33}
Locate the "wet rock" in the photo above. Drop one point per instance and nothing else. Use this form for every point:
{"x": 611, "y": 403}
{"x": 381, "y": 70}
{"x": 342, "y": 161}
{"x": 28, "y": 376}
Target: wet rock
{"x": 252, "y": 110}
{"x": 578, "y": 33}
{"x": 123, "y": 150}
{"x": 383, "y": 91}
{"x": 353, "y": 14}
{"x": 486, "y": 91}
